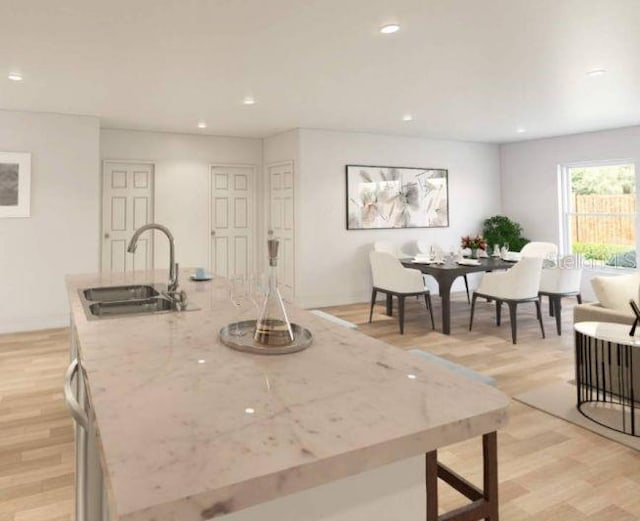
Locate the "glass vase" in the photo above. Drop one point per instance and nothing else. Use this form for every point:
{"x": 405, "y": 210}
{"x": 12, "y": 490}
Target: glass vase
{"x": 273, "y": 327}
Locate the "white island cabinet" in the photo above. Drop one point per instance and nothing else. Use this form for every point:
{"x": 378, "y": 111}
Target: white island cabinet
{"x": 186, "y": 429}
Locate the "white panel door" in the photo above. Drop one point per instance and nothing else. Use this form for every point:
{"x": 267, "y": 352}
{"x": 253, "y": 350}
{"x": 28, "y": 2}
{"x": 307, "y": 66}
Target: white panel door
{"x": 282, "y": 223}
{"x": 127, "y": 204}
{"x": 232, "y": 220}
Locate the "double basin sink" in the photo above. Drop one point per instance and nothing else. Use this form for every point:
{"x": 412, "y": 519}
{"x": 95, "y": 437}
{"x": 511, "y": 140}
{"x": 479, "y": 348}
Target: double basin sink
{"x": 118, "y": 301}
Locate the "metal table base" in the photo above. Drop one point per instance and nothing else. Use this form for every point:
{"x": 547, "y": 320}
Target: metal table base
{"x": 604, "y": 382}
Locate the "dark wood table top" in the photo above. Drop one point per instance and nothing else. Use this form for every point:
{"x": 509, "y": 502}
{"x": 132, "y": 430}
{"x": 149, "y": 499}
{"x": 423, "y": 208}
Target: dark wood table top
{"x": 452, "y": 268}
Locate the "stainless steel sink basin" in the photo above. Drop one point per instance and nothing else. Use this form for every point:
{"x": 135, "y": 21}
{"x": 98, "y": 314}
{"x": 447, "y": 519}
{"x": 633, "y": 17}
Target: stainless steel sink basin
{"x": 122, "y": 301}
{"x": 120, "y": 293}
{"x": 130, "y": 307}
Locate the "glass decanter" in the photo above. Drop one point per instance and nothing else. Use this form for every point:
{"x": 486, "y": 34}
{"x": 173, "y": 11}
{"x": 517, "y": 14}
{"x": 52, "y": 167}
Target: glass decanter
{"x": 273, "y": 327}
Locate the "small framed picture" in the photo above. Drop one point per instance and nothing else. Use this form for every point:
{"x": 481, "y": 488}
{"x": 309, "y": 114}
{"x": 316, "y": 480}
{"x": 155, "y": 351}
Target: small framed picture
{"x": 15, "y": 184}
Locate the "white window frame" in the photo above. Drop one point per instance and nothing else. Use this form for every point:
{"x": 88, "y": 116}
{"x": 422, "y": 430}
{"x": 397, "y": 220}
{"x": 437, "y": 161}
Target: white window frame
{"x": 564, "y": 192}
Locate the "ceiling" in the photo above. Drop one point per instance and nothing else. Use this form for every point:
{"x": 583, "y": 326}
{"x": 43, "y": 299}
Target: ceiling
{"x": 465, "y": 69}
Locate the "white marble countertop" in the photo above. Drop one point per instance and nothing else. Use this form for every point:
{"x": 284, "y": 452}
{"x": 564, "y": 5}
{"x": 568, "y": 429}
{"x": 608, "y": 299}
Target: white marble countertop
{"x": 191, "y": 429}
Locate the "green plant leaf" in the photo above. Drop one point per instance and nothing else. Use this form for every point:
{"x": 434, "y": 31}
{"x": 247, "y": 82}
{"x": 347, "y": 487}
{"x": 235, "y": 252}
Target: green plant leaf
{"x": 499, "y": 229}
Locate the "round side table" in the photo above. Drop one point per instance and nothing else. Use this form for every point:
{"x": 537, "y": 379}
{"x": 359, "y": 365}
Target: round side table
{"x": 606, "y": 386}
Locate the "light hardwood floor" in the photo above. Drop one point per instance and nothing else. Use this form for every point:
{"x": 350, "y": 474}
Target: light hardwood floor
{"x": 549, "y": 469}
{"x": 36, "y": 436}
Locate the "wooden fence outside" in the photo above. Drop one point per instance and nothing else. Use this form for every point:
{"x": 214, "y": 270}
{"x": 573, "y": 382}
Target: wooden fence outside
{"x": 614, "y": 229}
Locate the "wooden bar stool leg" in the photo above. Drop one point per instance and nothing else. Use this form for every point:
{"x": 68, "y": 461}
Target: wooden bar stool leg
{"x": 490, "y": 473}
{"x": 484, "y": 503}
{"x": 431, "y": 482}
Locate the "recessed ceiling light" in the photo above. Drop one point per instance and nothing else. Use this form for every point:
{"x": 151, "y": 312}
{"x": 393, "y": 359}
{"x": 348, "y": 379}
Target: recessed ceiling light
{"x": 249, "y": 100}
{"x": 596, "y": 72}
{"x": 201, "y": 361}
{"x": 389, "y": 28}
{"x": 15, "y": 76}
{"x": 407, "y": 117}
{"x": 249, "y": 410}
{"x": 521, "y": 130}
{"x": 202, "y": 124}
{"x": 411, "y": 376}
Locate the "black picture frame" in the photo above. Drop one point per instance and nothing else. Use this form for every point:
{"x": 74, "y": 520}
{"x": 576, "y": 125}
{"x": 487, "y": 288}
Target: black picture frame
{"x": 392, "y": 197}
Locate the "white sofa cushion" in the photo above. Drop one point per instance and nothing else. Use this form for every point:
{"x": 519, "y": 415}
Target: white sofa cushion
{"x": 615, "y": 292}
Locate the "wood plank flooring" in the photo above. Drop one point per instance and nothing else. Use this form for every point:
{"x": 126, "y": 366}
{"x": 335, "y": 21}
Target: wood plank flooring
{"x": 549, "y": 469}
{"x": 36, "y": 435}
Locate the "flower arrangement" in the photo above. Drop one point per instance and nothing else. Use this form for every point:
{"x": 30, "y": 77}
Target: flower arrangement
{"x": 473, "y": 243}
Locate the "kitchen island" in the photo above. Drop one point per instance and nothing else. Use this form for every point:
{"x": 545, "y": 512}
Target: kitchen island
{"x": 188, "y": 429}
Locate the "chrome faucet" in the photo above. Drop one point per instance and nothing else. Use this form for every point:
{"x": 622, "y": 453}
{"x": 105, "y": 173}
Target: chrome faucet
{"x": 173, "y": 265}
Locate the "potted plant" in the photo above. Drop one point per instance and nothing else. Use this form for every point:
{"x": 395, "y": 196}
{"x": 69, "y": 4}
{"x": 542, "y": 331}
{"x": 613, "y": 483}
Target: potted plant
{"x": 500, "y": 230}
{"x": 474, "y": 244}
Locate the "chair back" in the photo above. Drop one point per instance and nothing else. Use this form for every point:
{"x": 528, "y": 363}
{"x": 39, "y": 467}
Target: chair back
{"x": 524, "y": 278}
{"x": 386, "y": 246}
{"x": 564, "y": 277}
{"x": 544, "y": 250}
{"x": 389, "y": 274}
{"x": 422, "y": 246}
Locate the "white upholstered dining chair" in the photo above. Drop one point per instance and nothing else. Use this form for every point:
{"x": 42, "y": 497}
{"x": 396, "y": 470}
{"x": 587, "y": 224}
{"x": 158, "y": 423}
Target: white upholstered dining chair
{"x": 394, "y": 280}
{"x": 516, "y": 286}
{"x": 544, "y": 250}
{"x": 389, "y": 247}
{"x": 562, "y": 280}
{"x": 386, "y": 246}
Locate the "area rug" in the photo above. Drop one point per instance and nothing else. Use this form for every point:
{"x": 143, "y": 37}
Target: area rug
{"x": 559, "y": 400}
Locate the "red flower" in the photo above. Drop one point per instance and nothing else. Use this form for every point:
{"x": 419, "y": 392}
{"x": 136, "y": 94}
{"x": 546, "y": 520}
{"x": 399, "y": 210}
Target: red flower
{"x": 475, "y": 243}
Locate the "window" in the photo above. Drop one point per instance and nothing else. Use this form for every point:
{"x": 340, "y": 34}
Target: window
{"x": 598, "y": 212}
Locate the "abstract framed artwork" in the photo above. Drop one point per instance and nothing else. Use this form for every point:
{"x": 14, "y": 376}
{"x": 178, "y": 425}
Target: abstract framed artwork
{"x": 381, "y": 197}
{"x": 15, "y": 184}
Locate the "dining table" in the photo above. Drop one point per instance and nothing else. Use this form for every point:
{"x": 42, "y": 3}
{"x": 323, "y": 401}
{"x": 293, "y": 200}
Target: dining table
{"x": 449, "y": 270}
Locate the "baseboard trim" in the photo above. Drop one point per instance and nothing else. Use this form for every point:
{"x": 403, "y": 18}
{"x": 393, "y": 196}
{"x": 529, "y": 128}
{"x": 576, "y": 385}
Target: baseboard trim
{"x": 321, "y": 301}
{"x": 329, "y": 300}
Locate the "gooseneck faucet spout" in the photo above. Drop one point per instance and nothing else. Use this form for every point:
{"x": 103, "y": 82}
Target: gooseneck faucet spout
{"x": 173, "y": 266}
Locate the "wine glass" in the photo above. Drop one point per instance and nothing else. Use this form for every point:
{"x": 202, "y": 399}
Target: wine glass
{"x": 240, "y": 296}
{"x": 505, "y": 250}
{"x": 257, "y": 290}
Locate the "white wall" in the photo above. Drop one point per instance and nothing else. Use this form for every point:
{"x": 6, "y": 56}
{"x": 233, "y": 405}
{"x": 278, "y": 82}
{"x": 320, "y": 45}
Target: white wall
{"x": 332, "y": 263}
{"x": 182, "y": 170}
{"x": 529, "y": 172}
{"x": 61, "y": 236}
{"x": 279, "y": 148}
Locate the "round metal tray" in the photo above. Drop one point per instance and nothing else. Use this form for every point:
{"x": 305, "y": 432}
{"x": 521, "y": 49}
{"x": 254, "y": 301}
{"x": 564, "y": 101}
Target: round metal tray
{"x": 239, "y": 335}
